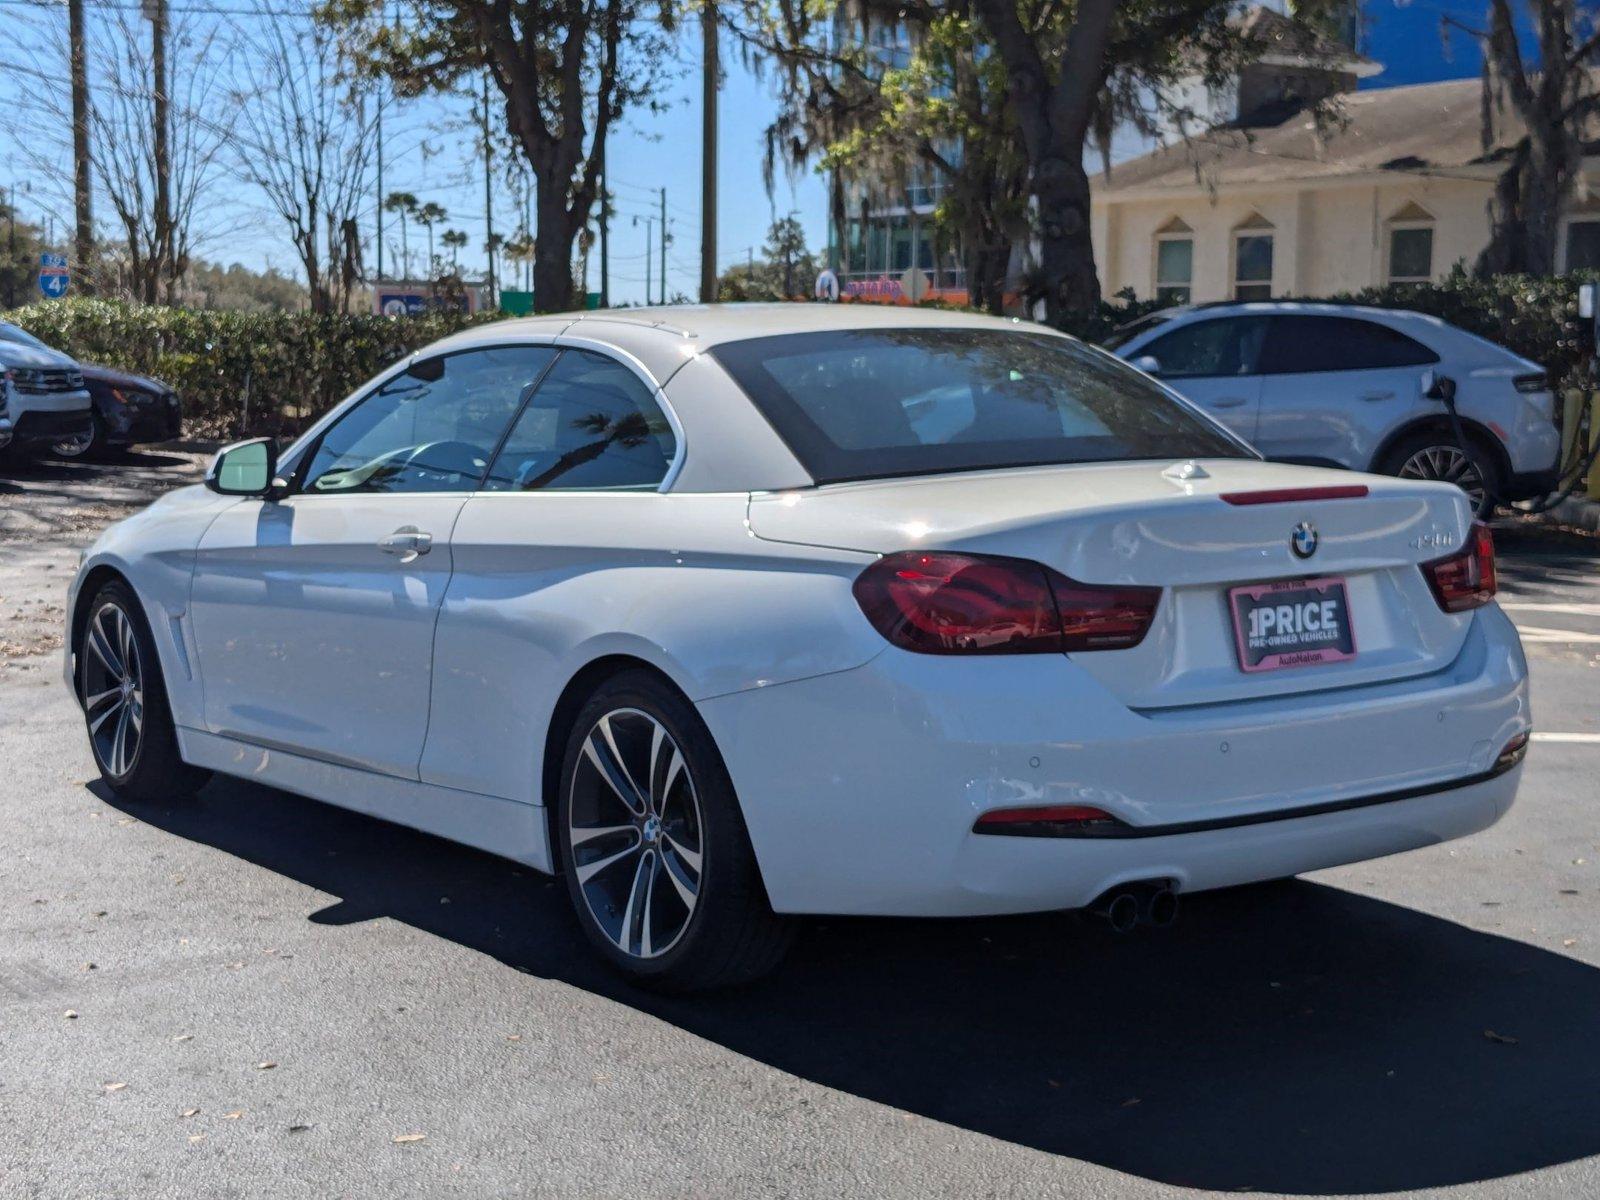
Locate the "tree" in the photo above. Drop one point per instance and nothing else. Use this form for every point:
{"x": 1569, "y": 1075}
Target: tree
{"x": 1550, "y": 94}
{"x": 454, "y": 240}
{"x": 403, "y": 205}
{"x": 1027, "y": 86}
{"x": 307, "y": 142}
{"x": 786, "y": 245}
{"x": 566, "y": 71}
{"x": 428, "y": 215}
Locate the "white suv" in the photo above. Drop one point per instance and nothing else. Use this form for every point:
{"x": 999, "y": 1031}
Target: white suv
{"x": 1356, "y": 387}
{"x": 43, "y": 401}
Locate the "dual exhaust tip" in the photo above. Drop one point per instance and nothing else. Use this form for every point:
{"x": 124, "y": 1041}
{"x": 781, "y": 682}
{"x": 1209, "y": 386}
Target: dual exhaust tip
{"x": 1127, "y": 905}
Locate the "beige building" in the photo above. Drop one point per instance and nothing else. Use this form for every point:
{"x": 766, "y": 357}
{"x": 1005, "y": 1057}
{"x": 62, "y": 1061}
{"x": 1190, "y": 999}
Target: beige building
{"x": 1393, "y": 189}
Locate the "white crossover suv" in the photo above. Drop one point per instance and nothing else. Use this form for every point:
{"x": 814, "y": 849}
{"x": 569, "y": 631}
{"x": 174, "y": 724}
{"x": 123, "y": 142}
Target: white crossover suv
{"x": 1358, "y": 387}
{"x": 733, "y": 614}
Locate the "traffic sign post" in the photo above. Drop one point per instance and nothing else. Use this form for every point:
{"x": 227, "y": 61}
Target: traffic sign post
{"x": 54, "y": 277}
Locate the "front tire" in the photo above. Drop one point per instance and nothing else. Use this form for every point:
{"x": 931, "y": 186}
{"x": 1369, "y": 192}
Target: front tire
{"x": 124, "y": 702}
{"x": 658, "y": 863}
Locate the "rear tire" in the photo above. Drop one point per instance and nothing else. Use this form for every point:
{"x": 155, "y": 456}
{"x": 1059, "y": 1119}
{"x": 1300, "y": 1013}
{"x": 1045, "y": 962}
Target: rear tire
{"x": 124, "y": 699}
{"x": 657, "y": 860}
{"x": 1437, "y": 456}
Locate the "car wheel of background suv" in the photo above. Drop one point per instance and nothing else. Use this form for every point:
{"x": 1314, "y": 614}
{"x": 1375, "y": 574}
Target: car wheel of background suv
{"x": 1437, "y": 456}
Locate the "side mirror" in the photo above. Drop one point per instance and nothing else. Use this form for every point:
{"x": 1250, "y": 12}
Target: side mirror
{"x": 1438, "y": 387}
{"x": 244, "y": 468}
{"x": 1148, "y": 363}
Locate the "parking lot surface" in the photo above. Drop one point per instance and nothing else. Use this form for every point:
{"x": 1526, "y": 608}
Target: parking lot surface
{"x": 254, "y": 994}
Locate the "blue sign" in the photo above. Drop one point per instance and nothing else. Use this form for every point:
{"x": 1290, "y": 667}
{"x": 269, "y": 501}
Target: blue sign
{"x": 54, "y": 278}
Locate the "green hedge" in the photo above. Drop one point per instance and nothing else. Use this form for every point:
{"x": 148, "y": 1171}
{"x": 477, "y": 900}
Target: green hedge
{"x": 298, "y": 364}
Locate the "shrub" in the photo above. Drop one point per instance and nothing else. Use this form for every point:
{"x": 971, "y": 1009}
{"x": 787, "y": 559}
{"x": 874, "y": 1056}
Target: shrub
{"x": 296, "y": 364}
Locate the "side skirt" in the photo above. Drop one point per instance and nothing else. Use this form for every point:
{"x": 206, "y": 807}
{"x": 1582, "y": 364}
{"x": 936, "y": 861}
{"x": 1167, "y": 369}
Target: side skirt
{"x": 504, "y": 827}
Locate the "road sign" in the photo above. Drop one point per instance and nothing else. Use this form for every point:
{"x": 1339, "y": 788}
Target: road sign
{"x": 54, "y": 278}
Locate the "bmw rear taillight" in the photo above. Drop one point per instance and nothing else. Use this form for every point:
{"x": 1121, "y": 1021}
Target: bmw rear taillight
{"x": 942, "y": 603}
{"x": 1466, "y": 579}
{"x": 1050, "y": 820}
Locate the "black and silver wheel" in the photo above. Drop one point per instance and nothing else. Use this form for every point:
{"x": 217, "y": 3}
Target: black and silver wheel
{"x": 658, "y": 862}
{"x": 1437, "y": 457}
{"x": 77, "y": 445}
{"x": 125, "y": 701}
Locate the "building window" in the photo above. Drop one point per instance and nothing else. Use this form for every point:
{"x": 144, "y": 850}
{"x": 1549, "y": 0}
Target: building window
{"x": 1252, "y": 265}
{"x": 1174, "y": 267}
{"x": 1411, "y": 245}
{"x": 1583, "y": 245}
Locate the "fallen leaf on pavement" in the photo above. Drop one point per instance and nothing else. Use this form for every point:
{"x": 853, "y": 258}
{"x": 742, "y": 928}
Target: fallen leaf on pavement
{"x": 1569, "y": 941}
{"x": 299, "y": 1128}
{"x": 197, "y": 1137}
{"x": 1502, "y": 1038}
{"x": 113, "y": 1087}
{"x": 191, "y": 1112}
{"x": 184, "y": 1037}
{"x": 71, "y": 1014}
{"x": 265, "y": 1066}
{"x": 234, "y": 1115}
{"x": 1131, "y": 1102}
{"x": 401, "y": 1138}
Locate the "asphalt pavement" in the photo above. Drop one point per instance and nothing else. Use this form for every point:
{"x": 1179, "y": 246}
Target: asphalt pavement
{"x": 254, "y": 994}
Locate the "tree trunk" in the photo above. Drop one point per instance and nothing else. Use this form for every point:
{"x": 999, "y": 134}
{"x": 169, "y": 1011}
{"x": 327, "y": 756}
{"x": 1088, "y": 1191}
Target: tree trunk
{"x": 1069, "y": 284}
{"x": 552, "y": 253}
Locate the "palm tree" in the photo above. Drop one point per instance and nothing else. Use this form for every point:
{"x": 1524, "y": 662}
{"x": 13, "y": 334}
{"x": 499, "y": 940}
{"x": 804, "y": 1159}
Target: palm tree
{"x": 404, "y": 204}
{"x": 429, "y": 215}
{"x": 454, "y": 240}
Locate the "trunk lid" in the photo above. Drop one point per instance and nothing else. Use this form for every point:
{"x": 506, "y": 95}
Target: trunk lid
{"x": 1168, "y": 525}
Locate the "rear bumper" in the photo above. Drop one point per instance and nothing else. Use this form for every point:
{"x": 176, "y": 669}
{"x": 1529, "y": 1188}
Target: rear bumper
{"x": 860, "y": 789}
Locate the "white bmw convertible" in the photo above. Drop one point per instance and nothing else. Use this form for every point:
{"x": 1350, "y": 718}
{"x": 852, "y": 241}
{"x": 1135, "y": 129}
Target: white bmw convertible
{"x": 734, "y": 614}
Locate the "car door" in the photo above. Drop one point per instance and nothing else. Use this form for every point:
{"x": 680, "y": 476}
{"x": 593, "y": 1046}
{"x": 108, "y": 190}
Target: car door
{"x": 1214, "y": 363}
{"x": 313, "y": 614}
{"x": 571, "y": 505}
{"x": 1333, "y": 386}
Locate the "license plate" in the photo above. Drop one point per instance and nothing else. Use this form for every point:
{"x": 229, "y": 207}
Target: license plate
{"x": 1292, "y": 623}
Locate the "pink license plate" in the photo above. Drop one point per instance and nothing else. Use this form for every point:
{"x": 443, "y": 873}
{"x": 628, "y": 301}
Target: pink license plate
{"x": 1292, "y": 623}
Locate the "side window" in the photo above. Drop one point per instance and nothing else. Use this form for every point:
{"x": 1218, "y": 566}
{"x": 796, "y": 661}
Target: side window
{"x": 429, "y": 429}
{"x": 591, "y": 425}
{"x": 1301, "y": 345}
{"x": 1224, "y": 347}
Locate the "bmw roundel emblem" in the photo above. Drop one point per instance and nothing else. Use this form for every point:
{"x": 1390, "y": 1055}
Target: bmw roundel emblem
{"x": 1303, "y": 541}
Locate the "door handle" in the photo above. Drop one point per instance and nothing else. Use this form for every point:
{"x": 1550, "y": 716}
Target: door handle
{"x": 1377, "y": 395}
{"x": 409, "y": 542}
{"x": 1229, "y": 402}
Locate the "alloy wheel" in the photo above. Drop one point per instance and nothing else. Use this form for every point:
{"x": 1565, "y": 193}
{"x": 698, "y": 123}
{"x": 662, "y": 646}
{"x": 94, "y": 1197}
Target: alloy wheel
{"x": 635, "y": 829}
{"x": 113, "y": 689}
{"x": 75, "y": 446}
{"x": 1447, "y": 464}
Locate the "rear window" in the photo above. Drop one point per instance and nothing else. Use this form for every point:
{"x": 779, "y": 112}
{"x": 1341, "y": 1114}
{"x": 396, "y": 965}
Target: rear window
{"x": 867, "y": 404}
{"x": 1303, "y": 344}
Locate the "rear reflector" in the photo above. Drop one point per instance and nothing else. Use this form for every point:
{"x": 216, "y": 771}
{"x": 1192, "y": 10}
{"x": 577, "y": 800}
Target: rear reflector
{"x": 1466, "y": 579}
{"x": 937, "y": 603}
{"x": 1056, "y": 820}
{"x": 1347, "y": 491}
{"x": 1515, "y": 750}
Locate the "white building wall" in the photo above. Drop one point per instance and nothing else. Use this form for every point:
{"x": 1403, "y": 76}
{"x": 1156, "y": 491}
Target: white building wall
{"x": 1327, "y": 238}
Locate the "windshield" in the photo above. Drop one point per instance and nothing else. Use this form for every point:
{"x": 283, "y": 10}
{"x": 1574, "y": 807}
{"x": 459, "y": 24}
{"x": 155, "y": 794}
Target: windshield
{"x": 10, "y": 333}
{"x": 868, "y": 404}
{"x": 1123, "y": 334}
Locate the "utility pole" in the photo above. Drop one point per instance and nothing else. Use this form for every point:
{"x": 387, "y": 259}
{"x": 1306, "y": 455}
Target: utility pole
{"x": 605, "y": 239}
{"x": 709, "y": 81}
{"x": 649, "y": 256}
{"x": 81, "y": 196}
{"x": 11, "y": 256}
{"x": 488, "y": 188}
{"x": 157, "y": 10}
{"x": 663, "y": 245}
{"x": 752, "y": 267}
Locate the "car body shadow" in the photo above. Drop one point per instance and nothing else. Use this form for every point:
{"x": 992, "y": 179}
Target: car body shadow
{"x": 1287, "y": 1038}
